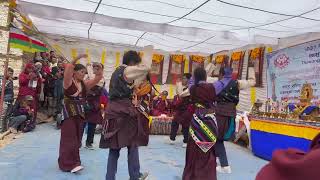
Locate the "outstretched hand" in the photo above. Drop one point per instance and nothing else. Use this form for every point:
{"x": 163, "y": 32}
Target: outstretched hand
{"x": 98, "y": 69}
{"x": 79, "y": 57}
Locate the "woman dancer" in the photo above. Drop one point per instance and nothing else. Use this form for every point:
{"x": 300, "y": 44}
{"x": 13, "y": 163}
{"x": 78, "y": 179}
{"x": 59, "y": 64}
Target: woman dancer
{"x": 94, "y": 116}
{"x": 74, "y": 103}
{"x": 200, "y": 156}
{"x": 227, "y": 91}
{"x": 183, "y": 107}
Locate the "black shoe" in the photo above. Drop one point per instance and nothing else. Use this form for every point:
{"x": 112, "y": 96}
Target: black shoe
{"x": 89, "y": 146}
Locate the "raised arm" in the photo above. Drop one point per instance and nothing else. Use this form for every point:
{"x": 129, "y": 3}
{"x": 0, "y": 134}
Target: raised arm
{"x": 69, "y": 70}
{"x": 180, "y": 92}
{"x": 210, "y": 68}
{"x": 139, "y": 72}
{"x": 90, "y": 71}
{"x": 244, "y": 84}
{"x": 97, "y": 78}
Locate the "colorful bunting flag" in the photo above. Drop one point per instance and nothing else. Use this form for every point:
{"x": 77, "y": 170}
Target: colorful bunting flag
{"x": 24, "y": 42}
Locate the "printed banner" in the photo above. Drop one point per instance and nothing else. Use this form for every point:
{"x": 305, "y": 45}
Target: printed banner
{"x": 289, "y": 69}
{"x": 219, "y": 60}
{"x": 256, "y": 57}
{"x": 157, "y": 68}
{"x": 236, "y": 64}
{"x": 195, "y": 62}
{"x": 176, "y": 68}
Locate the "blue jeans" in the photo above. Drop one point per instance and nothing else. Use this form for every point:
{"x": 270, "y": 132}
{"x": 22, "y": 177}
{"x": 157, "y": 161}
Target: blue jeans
{"x": 221, "y": 153}
{"x": 90, "y": 132}
{"x": 133, "y": 163}
{"x": 16, "y": 121}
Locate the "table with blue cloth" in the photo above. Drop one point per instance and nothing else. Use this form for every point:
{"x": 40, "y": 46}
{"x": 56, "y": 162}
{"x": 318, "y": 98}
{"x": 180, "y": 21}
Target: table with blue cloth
{"x": 269, "y": 134}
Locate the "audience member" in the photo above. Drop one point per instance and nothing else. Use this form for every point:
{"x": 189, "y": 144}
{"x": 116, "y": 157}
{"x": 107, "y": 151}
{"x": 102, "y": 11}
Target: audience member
{"x": 8, "y": 97}
{"x": 21, "y": 116}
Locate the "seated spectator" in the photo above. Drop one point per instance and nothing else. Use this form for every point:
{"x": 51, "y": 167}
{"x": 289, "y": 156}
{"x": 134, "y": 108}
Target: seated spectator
{"x": 161, "y": 104}
{"x": 21, "y": 115}
{"x": 29, "y": 83}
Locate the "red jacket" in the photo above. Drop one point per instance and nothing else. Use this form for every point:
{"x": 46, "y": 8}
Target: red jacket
{"x": 24, "y": 88}
{"x": 293, "y": 164}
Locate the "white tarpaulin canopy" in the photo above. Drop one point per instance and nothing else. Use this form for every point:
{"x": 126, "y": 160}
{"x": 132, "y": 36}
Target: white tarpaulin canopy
{"x": 176, "y": 25}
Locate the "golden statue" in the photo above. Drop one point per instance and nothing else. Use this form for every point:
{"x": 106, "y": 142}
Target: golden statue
{"x": 306, "y": 95}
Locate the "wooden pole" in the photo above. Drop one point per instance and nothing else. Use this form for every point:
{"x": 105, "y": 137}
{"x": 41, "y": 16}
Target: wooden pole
{"x": 4, "y": 81}
{"x": 5, "y": 73}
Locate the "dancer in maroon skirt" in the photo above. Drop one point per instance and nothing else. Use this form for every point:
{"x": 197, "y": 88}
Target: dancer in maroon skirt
{"x": 183, "y": 108}
{"x": 200, "y": 156}
{"x": 73, "y": 111}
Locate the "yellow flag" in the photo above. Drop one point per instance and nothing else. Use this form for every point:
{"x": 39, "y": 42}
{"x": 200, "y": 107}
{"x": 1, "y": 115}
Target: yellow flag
{"x": 171, "y": 90}
{"x": 74, "y": 54}
{"x": 117, "y": 59}
{"x": 186, "y": 66}
{"x": 253, "y": 95}
{"x": 158, "y": 87}
{"x": 103, "y": 56}
{"x": 88, "y": 54}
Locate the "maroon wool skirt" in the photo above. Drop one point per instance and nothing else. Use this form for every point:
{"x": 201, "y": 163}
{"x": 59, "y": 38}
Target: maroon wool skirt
{"x": 70, "y": 143}
{"x": 199, "y": 165}
{"x": 126, "y": 126}
{"x": 183, "y": 118}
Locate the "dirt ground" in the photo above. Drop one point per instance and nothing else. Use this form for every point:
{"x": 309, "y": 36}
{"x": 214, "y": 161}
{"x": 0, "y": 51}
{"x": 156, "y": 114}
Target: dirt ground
{"x": 9, "y": 138}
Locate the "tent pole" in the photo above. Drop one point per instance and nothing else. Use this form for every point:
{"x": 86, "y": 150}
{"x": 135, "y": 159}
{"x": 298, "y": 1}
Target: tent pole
{"x": 5, "y": 73}
{"x": 4, "y": 81}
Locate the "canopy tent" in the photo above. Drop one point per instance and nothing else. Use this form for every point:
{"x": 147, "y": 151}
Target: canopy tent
{"x": 177, "y": 25}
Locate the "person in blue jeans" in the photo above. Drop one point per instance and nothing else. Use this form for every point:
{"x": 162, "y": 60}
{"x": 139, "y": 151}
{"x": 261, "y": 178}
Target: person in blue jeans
{"x": 124, "y": 126}
{"x": 91, "y": 127}
{"x": 94, "y": 113}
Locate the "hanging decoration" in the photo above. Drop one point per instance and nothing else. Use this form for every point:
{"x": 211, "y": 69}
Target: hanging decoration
{"x": 18, "y": 39}
{"x": 256, "y": 57}
{"x": 255, "y": 53}
{"x": 176, "y": 68}
{"x": 12, "y": 4}
{"x": 196, "y": 61}
{"x": 220, "y": 59}
{"x": 236, "y": 63}
{"x": 157, "y": 58}
{"x": 157, "y": 68}
{"x": 178, "y": 58}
